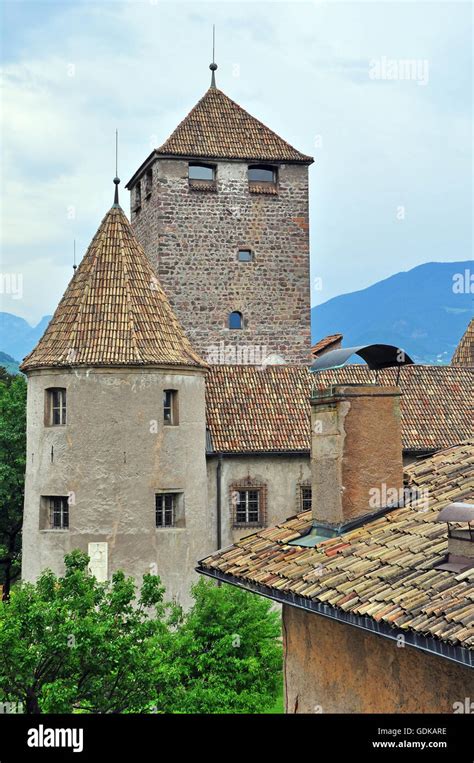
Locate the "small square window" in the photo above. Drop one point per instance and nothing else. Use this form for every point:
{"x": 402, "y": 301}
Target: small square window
{"x": 55, "y": 407}
{"x": 170, "y": 407}
{"x": 58, "y": 512}
{"x": 245, "y": 255}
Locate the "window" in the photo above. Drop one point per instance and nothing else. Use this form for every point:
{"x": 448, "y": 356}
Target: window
{"x": 305, "y": 497}
{"x": 201, "y": 172}
{"x": 262, "y": 173}
{"x": 247, "y": 510}
{"x": 235, "y": 320}
{"x": 248, "y": 503}
{"x": 170, "y": 407}
{"x": 55, "y": 407}
{"x": 138, "y": 195}
{"x": 148, "y": 182}
{"x": 165, "y": 509}
{"x": 58, "y": 512}
{"x": 245, "y": 255}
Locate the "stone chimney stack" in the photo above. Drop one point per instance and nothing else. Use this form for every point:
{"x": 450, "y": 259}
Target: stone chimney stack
{"x": 356, "y": 451}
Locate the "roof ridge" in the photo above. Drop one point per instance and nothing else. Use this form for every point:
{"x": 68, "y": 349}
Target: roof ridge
{"x": 127, "y": 293}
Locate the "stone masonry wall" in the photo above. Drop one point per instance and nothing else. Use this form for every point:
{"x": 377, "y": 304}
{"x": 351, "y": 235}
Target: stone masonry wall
{"x": 192, "y": 238}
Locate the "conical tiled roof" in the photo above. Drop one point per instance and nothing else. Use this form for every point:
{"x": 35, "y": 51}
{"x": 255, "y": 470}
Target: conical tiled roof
{"x": 219, "y": 128}
{"x": 114, "y": 311}
{"x": 464, "y": 352}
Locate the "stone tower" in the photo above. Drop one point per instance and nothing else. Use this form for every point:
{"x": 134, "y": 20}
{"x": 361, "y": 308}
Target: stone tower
{"x": 116, "y": 425}
{"x": 221, "y": 210}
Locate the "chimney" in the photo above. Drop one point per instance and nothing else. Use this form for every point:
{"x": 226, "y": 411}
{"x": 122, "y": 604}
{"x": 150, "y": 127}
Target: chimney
{"x": 460, "y": 520}
{"x": 356, "y": 452}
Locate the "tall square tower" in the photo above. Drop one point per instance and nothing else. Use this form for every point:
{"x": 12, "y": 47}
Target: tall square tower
{"x": 221, "y": 209}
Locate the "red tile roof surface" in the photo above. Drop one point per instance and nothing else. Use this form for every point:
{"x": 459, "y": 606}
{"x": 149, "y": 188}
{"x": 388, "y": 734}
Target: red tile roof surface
{"x": 383, "y": 569}
{"x": 267, "y": 410}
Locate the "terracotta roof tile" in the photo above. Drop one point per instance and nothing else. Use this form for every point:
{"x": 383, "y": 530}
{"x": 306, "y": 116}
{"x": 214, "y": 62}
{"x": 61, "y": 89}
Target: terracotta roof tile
{"x": 114, "y": 311}
{"x": 397, "y": 585}
{"x": 464, "y": 352}
{"x": 218, "y": 128}
{"x": 326, "y": 344}
{"x": 267, "y": 410}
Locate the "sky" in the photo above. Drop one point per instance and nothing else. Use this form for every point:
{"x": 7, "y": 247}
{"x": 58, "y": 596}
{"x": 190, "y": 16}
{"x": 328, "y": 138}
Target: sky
{"x": 380, "y": 93}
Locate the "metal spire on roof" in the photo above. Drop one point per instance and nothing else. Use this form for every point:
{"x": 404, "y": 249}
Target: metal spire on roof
{"x": 74, "y": 266}
{"x": 213, "y": 66}
{"x": 116, "y": 178}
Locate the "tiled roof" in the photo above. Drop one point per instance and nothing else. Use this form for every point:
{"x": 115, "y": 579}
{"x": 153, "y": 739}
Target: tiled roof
{"x": 218, "y": 128}
{"x": 325, "y": 343}
{"x": 464, "y": 352}
{"x": 114, "y": 311}
{"x": 263, "y": 410}
{"x": 383, "y": 570}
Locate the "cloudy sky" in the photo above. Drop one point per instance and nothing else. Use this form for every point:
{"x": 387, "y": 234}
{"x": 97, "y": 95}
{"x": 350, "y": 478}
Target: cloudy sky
{"x": 391, "y": 184}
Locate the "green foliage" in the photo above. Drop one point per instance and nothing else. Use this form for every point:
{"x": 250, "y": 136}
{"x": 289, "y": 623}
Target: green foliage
{"x": 226, "y": 655}
{"x": 72, "y": 643}
{"x": 12, "y": 474}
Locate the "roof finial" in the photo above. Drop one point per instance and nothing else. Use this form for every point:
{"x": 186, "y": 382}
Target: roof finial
{"x": 116, "y": 178}
{"x": 74, "y": 266}
{"x": 213, "y": 66}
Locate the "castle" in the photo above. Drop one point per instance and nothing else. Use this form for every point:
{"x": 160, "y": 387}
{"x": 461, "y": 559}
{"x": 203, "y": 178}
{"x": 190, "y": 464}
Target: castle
{"x": 168, "y": 400}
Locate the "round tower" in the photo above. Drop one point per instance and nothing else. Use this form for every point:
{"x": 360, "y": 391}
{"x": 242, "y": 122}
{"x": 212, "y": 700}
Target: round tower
{"x": 116, "y": 425}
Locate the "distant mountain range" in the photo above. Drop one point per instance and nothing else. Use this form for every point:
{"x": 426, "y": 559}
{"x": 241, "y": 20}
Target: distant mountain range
{"x": 422, "y": 310}
{"x": 17, "y": 337}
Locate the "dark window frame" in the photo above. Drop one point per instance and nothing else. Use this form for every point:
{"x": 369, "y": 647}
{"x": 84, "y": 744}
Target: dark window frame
{"x": 264, "y": 168}
{"x": 170, "y": 408}
{"x": 58, "y": 512}
{"x": 203, "y": 166}
{"x": 303, "y": 496}
{"x": 148, "y": 182}
{"x": 165, "y": 510}
{"x": 55, "y": 414}
{"x": 248, "y": 501}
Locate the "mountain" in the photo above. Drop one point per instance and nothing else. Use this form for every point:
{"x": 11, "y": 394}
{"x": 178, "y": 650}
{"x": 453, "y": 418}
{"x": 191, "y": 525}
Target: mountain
{"x": 17, "y": 337}
{"x": 9, "y": 363}
{"x": 422, "y": 310}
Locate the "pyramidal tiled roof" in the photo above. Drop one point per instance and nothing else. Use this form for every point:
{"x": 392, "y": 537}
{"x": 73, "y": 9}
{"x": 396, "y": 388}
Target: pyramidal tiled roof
{"x": 114, "y": 311}
{"x": 464, "y": 352}
{"x": 218, "y": 128}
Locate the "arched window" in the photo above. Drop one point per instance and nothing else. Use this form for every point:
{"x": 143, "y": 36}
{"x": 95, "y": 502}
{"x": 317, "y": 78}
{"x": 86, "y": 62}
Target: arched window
{"x": 262, "y": 173}
{"x": 198, "y": 171}
{"x": 235, "y": 320}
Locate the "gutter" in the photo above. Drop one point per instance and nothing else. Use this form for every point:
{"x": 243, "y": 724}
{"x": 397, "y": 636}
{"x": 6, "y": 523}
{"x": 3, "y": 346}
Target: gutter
{"x": 457, "y": 654}
{"x": 219, "y": 501}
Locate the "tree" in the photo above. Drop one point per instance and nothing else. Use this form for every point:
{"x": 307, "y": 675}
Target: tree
{"x": 72, "y": 643}
{"x": 12, "y": 474}
{"x": 226, "y": 655}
